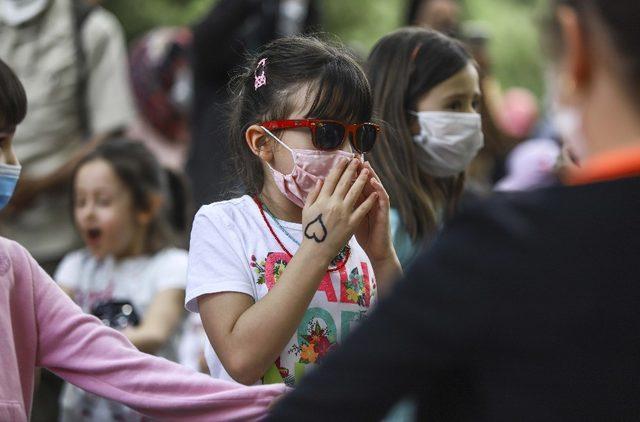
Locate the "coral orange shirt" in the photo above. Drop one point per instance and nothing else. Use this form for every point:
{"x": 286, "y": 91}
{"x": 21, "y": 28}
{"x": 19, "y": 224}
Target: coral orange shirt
{"x": 617, "y": 164}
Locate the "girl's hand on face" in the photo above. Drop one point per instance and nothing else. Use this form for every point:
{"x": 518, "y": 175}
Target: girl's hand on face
{"x": 333, "y": 211}
{"x": 374, "y": 232}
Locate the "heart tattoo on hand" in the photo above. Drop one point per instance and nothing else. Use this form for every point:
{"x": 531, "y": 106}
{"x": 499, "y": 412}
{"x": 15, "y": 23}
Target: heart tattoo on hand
{"x": 316, "y": 230}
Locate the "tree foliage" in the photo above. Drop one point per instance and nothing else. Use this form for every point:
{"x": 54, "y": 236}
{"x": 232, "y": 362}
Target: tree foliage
{"x": 360, "y": 23}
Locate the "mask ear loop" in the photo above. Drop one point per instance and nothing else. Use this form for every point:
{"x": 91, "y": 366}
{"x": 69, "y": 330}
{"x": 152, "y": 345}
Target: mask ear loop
{"x": 293, "y": 156}
{"x": 277, "y": 139}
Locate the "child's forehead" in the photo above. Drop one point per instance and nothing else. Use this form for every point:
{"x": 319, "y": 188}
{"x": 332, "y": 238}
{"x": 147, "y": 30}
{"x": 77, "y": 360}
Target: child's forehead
{"x": 98, "y": 173}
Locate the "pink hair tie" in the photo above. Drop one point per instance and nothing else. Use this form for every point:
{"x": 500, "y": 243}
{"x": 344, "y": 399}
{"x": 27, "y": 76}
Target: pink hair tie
{"x": 260, "y": 79}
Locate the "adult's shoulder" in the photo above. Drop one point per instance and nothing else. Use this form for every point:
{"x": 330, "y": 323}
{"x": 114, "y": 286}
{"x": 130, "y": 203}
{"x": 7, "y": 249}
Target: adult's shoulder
{"x": 558, "y": 211}
{"x": 501, "y": 214}
{"x": 498, "y": 232}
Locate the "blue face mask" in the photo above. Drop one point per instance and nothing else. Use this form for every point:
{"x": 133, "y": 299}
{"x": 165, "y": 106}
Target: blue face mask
{"x": 9, "y": 176}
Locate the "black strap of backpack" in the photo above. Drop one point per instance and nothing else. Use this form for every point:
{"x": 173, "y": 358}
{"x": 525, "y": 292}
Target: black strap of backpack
{"x": 81, "y": 10}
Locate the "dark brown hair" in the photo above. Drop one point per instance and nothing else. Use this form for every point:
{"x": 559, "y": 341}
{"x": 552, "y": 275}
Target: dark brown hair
{"x": 338, "y": 90}
{"x": 620, "y": 20}
{"x": 13, "y": 100}
{"x": 403, "y": 67}
{"x": 141, "y": 173}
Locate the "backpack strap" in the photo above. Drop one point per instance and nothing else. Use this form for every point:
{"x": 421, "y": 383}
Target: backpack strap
{"x": 81, "y": 9}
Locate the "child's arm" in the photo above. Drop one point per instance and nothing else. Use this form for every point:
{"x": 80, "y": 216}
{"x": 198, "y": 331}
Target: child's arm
{"x": 81, "y": 350}
{"x": 248, "y": 337}
{"x": 159, "y": 322}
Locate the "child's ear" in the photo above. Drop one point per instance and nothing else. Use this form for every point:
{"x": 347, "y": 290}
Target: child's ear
{"x": 156, "y": 202}
{"x": 258, "y": 142}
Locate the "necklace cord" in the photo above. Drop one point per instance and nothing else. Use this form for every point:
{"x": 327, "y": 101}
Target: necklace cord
{"x": 338, "y": 266}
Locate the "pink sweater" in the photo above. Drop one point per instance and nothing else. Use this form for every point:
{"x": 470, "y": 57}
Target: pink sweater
{"x": 41, "y": 326}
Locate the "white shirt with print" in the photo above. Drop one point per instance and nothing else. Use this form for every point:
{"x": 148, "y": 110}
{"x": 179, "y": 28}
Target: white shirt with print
{"x": 232, "y": 250}
{"x": 136, "y": 280}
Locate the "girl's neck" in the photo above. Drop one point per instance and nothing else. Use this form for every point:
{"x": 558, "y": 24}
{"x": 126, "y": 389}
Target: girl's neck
{"x": 279, "y": 205}
{"x": 137, "y": 247}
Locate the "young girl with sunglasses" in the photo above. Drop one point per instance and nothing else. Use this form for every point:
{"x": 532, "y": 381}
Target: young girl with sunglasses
{"x": 282, "y": 274}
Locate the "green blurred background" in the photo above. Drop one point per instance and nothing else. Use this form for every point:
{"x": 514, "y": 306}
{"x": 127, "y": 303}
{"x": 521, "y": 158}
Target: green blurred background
{"x": 514, "y": 47}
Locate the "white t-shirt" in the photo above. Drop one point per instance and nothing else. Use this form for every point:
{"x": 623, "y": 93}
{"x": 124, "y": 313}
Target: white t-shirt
{"x": 136, "y": 280}
{"x": 232, "y": 250}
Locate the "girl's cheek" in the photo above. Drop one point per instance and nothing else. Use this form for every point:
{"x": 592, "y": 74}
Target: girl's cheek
{"x": 107, "y": 220}
{"x": 283, "y": 161}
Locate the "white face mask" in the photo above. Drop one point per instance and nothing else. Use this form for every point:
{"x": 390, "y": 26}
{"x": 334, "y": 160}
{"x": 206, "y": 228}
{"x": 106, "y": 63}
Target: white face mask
{"x": 17, "y": 12}
{"x": 9, "y": 175}
{"x": 451, "y": 140}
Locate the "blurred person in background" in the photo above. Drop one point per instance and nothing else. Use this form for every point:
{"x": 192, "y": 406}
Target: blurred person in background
{"x": 71, "y": 57}
{"x": 526, "y": 308}
{"x": 221, "y": 40}
{"x": 441, "y": 15}
{"x": 128, "y": 274}
{"x": 427, "y": 92}
{"x": 446, "y": 16}
{"x": 162, "y": 84}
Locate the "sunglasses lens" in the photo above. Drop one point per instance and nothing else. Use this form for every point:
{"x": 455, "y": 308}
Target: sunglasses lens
{"x": 366, "y": 136}
{"x": 329, "y": 136}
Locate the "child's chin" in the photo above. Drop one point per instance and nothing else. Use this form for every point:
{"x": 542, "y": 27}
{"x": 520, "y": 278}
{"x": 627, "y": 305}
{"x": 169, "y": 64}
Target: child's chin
{"x": 98, "y": 253}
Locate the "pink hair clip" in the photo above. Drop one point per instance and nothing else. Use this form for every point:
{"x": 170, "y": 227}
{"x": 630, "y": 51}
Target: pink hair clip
{"x": 261, "y": 79}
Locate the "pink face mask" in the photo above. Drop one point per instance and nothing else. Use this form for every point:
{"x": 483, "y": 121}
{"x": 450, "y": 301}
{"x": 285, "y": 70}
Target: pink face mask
{"x": 309, "y": 166}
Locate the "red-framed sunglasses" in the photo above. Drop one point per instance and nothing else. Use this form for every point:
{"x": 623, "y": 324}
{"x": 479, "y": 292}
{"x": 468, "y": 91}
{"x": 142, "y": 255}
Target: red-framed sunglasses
{"x": 327, "y": 135}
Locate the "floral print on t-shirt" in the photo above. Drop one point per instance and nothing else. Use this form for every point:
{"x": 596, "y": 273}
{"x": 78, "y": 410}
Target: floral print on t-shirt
{"x": 318, "y": 332}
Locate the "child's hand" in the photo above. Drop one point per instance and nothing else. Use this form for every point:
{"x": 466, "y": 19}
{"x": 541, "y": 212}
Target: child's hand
{"x": 374, "y": 233}
{"x": 332, "y": 212}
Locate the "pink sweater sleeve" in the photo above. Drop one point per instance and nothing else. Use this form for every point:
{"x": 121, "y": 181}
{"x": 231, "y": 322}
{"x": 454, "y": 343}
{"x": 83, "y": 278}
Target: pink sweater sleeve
{"x": 78, "y": 348}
